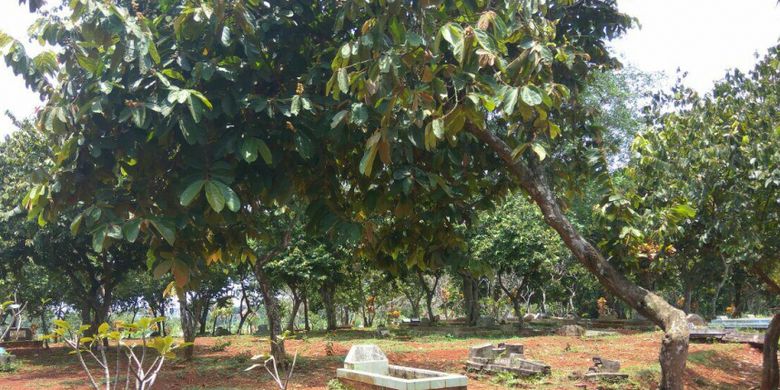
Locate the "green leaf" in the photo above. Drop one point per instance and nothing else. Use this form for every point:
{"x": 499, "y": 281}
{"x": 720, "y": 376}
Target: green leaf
{"x": 249, "y": 150}
{"x": 161, "y": 269}
{"x": 684, "y": 210}
{"x": 191, "y": 192}
{"x": 196, "y": 109}
{"x": 74, "y": 226}
{"x": 265, "y": 152}
{"x": 338, "y": 118}
{"x": 367, "y": 162}
{"x": 231, "y": 198}
{"x": 103, "y": 328}
{"x": 539, "y": 150}
{"x": 510, "y": 101}
{"x": 165, "y": 228}
{"x": 343, "y": 79}
{"x": 99, "y": 238}
{"x": 214, "y": 196}
{"x": 438, "y": 128}
{"x": 295, "y": 105}
{"x": 202, "y": 98}
{"x": 530, "y": 96}
{"x": 130, "y": 230}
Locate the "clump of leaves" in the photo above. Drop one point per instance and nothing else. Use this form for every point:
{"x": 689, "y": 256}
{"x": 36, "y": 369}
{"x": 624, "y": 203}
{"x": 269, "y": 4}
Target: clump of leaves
{"x": 335, "y": 384}
{"x": 220, "y": 347}
{"x": 137, "y": 354}
{"x": 507, "y": 379}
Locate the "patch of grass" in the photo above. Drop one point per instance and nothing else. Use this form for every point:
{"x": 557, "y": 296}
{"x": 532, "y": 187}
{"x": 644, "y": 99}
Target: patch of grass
{"x": 221, "y": 346}
{"x": 702, "y": 357}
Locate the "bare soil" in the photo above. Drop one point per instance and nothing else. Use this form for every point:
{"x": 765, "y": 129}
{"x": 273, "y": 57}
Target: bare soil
{"x": 220, "y": 362}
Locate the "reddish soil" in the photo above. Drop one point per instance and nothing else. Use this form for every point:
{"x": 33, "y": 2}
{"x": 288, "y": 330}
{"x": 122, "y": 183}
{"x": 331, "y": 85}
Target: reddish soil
{"x": 220, "y": 362}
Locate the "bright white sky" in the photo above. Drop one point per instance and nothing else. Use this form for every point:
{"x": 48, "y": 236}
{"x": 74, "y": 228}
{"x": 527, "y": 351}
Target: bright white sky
{"x": 703, "y": 37}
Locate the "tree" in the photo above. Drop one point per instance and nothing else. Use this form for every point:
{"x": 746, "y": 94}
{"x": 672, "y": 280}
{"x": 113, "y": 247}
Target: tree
{"x": 186, "y": 120}
{"x": 519, "y": 245}
{"x": 725, "y": 150}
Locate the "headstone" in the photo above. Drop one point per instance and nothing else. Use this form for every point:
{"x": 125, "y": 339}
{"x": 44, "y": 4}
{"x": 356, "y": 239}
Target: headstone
{"x": 695, "y": 320}
{"x": 503, "y": 358}
{"x": 368, "y": 358}
{"x": 605, "y": 369}
{"x": 571, "y": 330}
{"x": 382, "y": 332}
{"x": 221, "y": 332}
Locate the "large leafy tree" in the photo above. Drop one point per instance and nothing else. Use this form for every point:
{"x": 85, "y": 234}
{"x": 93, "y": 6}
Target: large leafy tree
{"x": 722, "y": 151}
{"x": 180, "y": 119}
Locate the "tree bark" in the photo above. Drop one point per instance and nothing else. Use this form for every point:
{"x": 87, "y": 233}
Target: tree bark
{"x": 306, "y": 325}
{"x": 518, "y": 309}
{"x": 674, "y": 347}
{"x": 328, "y": 291}
{"x": 430, "y": 293}
{"x": 188, "y": 322}
{"x": 770, "y": 373}
{"x": 471, "y": 299}
{"x": 273, "y": 314}
{"x": 294, "y": 312}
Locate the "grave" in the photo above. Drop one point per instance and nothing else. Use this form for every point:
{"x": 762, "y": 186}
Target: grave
{"x": 605, "y": 369}
{"x": 367, "y": 367}
{"x": 6, "y": 359}
{"x": 504, "y": 358}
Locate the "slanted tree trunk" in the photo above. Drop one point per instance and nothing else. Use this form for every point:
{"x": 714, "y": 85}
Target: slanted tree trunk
{"x": 514, "y": 298}
{"x": 770, "y": 373}
{"x": 204, "y": 316}
{"x": 430, "y": 293}
{"x": 273, "y": 314}
{"x": 726, "y": 276}
{"x": 674, "y": 347}
{"x": 328, "y": 291}
{"x": 296, "y": 305}
{"x": 188, "y": 322}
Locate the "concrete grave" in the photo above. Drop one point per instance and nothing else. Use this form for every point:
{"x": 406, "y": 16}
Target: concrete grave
{"x": 605, "y": 369}
{"x": 504, "y": 358}
{"x": 367, "y": 367}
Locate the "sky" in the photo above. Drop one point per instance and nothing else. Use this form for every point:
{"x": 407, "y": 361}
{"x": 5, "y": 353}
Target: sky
{"x": 703, "y": 37}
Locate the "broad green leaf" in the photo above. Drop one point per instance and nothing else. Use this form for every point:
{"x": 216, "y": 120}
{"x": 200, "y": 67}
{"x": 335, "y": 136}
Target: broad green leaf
{"x": 231, "y": 198}
{"x": 265, "y": 152}
{"x": 166, "y": 229}
{"x": 103, "y": 328}
{"x": 438, "y": 128}
{"x": 343, "y": 80}
{"x": 74, "y": 226}
{"x": 249, "y": 150}
{"x": 338, "y": 118}
{"x": 510, "y": 101}
{"x": 130, "y": 229}
{"x": 367, "y": 162}
{"x": 530, "y": 96}
{"x": 214, "y": 196}
{"x": 191, "y": 192}
{"x": 539, "y": 150}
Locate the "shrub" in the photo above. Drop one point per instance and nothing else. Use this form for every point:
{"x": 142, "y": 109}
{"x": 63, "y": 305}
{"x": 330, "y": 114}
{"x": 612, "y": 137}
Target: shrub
{"x": 137, "y": 354}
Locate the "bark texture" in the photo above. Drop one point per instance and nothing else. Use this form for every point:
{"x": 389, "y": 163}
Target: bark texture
{"x": 770, "y": 373}
{"x": 273, "y": 314}
{"x": 188, "y": 323}
{"x": 674, "y": 347}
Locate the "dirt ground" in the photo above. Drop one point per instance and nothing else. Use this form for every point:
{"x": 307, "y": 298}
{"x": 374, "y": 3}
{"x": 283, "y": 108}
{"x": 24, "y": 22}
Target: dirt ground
{"x": 220, "y": 362}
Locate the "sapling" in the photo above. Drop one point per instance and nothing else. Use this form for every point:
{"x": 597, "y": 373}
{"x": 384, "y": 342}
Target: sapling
{"x": 136, "y": 354}
{"x": 271, "y": 365}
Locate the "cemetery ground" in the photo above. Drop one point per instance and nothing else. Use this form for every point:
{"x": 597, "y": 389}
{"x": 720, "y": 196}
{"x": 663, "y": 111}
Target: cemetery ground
{"x": 219, "y": 362}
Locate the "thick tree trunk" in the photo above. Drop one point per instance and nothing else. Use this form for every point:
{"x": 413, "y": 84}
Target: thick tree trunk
{"x": 471, "y": 299}
{"x": 674, "y": 347}
{"x": 204, "y": 316}
{"x": 770, "y": 374}
{"x": 726, "y": 275}
{"x": 328, "y": 291}
{"x": 687, "y": 297}
{"x": 188, "y": 322}
{"x": 273, "y": 314}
